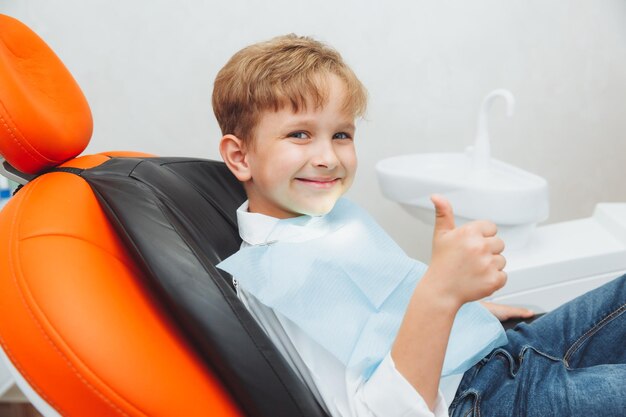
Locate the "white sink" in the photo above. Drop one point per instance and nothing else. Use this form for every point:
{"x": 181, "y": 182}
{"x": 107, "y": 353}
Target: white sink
{"x": 504, "y": 194}
{"x": 477, "y": 186}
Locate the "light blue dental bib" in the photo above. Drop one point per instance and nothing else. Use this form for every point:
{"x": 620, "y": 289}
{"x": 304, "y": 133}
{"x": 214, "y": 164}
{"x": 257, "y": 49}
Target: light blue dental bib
{"x": 348, "y": 288}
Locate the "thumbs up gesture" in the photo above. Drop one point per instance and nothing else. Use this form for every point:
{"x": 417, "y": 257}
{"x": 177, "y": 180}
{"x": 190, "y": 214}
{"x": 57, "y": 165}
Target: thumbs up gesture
{"x": 466, "y": 262}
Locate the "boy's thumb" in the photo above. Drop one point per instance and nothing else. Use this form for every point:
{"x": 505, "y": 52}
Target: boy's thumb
{"x": 444, "y": 218}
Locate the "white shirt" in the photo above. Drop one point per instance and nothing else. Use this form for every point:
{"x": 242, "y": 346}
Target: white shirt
{"x": 343, "y": 394}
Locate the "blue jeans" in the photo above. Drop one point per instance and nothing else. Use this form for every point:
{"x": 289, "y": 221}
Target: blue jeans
{"x": 570, "y": 362}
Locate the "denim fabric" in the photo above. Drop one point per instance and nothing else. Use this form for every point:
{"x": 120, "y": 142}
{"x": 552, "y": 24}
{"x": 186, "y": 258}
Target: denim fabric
{"x": 570, "y": 362}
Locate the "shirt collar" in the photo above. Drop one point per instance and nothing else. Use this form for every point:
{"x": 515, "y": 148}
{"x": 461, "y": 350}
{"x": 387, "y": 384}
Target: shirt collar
{"x": 260, "y": 229}
{"x": 254, "y": 228}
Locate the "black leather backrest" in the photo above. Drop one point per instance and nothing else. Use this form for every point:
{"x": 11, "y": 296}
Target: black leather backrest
{"x": 178, "y": 218}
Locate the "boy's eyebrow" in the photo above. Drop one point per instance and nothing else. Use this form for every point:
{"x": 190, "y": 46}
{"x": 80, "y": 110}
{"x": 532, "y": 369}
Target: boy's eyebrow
{"x": 347, "y": 126}
{"x": 294, "y": 124}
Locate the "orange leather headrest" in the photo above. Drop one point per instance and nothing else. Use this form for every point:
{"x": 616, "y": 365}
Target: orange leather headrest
{"x": 44, "y": 116}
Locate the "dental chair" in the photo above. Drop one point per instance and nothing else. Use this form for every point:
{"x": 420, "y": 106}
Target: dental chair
{"x": 110, "y": 302}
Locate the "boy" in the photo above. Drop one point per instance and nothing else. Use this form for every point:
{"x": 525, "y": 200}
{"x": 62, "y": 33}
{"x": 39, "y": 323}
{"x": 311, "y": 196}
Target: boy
{"x": 287, "y": 108}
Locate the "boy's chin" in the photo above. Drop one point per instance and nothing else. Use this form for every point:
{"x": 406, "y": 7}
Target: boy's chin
{"x": 317, "y": 210}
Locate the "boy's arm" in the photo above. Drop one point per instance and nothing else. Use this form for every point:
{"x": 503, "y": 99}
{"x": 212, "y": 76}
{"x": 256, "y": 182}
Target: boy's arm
{"x": 466, "y": 265}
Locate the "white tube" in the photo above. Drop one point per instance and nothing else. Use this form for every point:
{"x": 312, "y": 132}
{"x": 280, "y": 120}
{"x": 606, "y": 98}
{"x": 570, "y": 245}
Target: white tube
{"x": 482, "y": 148}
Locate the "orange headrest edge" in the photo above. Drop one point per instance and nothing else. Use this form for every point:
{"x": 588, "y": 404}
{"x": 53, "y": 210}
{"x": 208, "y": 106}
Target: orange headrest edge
{"x": 44, "y": 117}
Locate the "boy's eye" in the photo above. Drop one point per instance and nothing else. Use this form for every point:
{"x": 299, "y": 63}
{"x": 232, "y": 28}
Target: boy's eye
{"x": 298, "y": 135}
{"x": 342, "y": 135}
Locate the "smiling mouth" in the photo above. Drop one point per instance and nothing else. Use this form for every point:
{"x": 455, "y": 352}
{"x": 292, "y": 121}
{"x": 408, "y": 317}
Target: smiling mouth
{"x": 319, "y": 183}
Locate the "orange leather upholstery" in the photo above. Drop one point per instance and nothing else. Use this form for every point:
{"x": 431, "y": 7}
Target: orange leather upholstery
{"x": 44, "y": 116}
{"x": 66, "y": 286}
{"x": 90, "y": 161}
{"x": 66, "y": 282}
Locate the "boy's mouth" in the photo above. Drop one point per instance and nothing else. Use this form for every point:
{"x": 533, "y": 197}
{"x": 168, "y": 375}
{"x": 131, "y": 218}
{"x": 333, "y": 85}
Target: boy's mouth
{"x": 319, "y": 182}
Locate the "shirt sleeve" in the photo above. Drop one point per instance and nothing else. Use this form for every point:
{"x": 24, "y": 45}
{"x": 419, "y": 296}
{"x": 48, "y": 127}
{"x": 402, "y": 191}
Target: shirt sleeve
{"x": 387, "y": 393}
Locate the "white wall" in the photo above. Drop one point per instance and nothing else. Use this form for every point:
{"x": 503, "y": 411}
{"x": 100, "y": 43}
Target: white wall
{"x": 147, "y": 67}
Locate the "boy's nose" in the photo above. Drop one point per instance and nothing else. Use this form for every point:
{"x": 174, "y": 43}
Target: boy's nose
{"x": 325, "y": 157}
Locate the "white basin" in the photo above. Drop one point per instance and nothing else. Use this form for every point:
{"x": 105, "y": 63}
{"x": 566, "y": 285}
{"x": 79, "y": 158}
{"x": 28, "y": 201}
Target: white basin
{"x": 477, "y": 186}
{"x": 503, "y": 194}
{"x": 512, "y": 198}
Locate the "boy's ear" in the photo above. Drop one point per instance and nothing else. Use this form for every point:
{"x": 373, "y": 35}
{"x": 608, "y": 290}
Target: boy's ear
{"x": 234, "y": 154}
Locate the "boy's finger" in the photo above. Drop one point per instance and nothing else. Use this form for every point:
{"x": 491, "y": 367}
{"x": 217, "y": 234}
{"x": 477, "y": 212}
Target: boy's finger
{"x": 495, "y": 244}
{"x": 500, "y": 262}
{"x": 444, "y": 217}
{"x": 486, "y": 228}
{"x": 506, "y": 312}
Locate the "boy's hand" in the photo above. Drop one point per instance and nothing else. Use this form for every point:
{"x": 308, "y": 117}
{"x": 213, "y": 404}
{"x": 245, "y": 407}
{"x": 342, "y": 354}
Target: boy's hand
{"x": 466, "y": 265}
{"x": 505, "y": 312}
{"x": 466, "y": 262}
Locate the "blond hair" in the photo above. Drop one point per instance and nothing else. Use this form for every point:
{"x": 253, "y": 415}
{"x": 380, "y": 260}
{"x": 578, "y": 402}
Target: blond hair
{"x": 286, "y": 70}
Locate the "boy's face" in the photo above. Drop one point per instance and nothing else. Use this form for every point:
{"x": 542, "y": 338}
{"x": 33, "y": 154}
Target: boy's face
{"x": 301, "y": 163}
